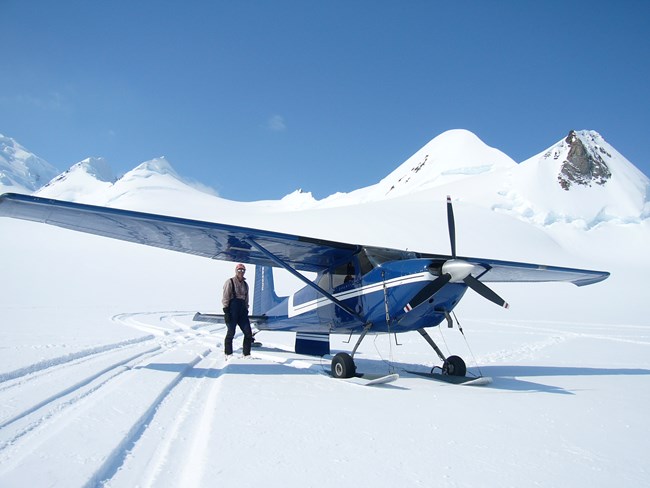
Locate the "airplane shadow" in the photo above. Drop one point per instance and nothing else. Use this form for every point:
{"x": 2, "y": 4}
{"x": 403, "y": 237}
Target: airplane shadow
{"x": 510, "y": 377}
{"x": 252, "y": 367}
{"x": 504, "y": 377}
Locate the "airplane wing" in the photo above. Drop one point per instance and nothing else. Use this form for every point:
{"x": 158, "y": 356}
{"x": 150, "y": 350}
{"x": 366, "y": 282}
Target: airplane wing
{"x": 233, "y": 243}
{"x": 509, "y": 271}
{"x": 206, "y": 239}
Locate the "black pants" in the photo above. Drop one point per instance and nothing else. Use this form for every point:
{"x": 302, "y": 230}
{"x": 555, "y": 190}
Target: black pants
{"x": 238, "y": 317}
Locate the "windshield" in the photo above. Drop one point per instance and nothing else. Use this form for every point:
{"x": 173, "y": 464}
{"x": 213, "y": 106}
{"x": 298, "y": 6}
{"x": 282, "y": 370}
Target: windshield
{"x": 376, "y": 256}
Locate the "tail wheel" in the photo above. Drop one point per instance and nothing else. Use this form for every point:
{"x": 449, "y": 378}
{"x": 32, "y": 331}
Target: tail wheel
{"x": 454, "y": 366}
{"x": 343, "y": 366}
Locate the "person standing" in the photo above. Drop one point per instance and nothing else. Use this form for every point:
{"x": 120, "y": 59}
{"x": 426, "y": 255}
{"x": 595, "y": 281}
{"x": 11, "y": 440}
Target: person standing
{"x": 235, "y": 309}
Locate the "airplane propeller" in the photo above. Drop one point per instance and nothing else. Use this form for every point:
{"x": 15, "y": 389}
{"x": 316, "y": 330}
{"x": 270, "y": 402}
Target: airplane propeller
{"x": 455, "y": 271}
{"x": 482, "y": 289}
{"x": 429, "y": 290}
{"x": 452, "y": 226}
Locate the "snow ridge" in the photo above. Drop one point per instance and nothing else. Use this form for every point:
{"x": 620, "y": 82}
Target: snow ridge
{"x": 581, "y": 180}
{"x": 20, "y": 170}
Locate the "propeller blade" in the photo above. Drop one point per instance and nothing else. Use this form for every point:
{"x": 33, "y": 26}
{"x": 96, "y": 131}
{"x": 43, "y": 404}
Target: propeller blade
{"x": 484, "y": 291}
{"x": 428, "y": 291}
{"x": 452, "y": 226}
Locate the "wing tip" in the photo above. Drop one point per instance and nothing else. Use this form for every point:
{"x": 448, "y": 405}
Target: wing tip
{"x": 597, "y": 278}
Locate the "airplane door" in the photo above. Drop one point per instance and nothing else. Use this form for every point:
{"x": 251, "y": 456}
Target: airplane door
{"x": 346, "y": 282}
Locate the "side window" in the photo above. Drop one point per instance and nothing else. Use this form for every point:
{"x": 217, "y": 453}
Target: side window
{"x": 324, "y": 281}
{"x": 344, "y": 273}
{"x": 365, "y": 266}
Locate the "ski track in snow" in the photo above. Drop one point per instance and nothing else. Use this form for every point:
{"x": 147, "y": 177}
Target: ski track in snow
{"x": 160, "y": 394}
{"x": 79, "y": 390}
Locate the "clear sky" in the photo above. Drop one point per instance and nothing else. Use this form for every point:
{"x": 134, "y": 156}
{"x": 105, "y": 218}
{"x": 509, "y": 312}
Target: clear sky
{"x": 260, "y": 98}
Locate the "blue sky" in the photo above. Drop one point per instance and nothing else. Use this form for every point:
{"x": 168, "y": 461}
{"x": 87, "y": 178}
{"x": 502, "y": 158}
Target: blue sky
{"x": 259, "y": 98}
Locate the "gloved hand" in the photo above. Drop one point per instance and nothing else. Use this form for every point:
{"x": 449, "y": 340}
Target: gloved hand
{"x": 226, "y": 314}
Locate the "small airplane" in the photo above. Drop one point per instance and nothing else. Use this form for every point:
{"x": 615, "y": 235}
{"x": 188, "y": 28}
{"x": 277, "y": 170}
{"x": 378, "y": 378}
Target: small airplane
{"x": 357, "y": 289}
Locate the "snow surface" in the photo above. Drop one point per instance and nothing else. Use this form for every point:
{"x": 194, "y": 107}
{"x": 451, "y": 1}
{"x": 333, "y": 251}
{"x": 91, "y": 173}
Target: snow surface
{"x": 105, "y": 380}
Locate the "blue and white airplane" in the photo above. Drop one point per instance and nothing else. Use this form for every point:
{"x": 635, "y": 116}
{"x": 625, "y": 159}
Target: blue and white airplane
{"x": 357, "y": 289}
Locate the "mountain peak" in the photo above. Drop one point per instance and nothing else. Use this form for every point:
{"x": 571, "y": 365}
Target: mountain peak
{"x": 158, "y": 172}
{"x": 581, "y": 179}
{"x": 299, "y": 199}
{"x": 20, "y": 169}
{"x": 453, "y": 155}
{"x": 84, "y": 178}
{"x": 584, "y": 163}
{"x": 159, "y": 166}
{"x": 98, "y": 168}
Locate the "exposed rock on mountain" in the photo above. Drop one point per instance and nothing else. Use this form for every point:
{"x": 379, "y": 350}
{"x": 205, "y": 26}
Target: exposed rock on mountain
{"x": 583, "y": 166}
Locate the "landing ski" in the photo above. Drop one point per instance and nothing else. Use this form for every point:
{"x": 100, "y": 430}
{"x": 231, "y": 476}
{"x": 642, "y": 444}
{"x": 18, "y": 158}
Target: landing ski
{"x": 372, "y": 379}
{"x": 455, "y": 380}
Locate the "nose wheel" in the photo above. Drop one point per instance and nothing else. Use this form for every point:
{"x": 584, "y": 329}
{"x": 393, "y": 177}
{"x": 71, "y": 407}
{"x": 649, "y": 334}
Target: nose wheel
{"x": 454, "y": 366}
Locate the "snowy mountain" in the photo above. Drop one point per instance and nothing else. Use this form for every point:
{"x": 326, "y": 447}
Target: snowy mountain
{"x": 154, "y": 185}
{"x": 90, "y": 176}
{"x": 581, "y": 180}
{"x": 453, "y": 156}
{"x": 20, "y": 170}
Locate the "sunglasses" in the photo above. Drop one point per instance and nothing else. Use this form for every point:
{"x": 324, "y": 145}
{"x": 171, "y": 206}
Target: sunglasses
{"x": 241, "y": 270}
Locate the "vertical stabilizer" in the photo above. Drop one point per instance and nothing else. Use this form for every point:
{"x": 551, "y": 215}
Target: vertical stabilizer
{"x": 264, "y": 297}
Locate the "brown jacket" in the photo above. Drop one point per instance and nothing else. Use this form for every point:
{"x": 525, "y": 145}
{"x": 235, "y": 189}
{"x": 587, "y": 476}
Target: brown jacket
{"x": 240, "y": 291}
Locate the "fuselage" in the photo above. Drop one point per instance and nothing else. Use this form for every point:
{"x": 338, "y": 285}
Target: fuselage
{"x": 378, "y": 294}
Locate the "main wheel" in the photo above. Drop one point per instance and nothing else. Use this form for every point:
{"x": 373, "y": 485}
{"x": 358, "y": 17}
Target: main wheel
{"x": 343, "y": 366}
{"x": 454, "y": 366}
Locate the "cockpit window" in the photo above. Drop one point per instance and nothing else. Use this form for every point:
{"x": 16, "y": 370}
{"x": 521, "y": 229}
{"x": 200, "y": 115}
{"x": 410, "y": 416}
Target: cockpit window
{"x": 361, "y": 264}
{"x": 377, "y": 256}
{"x": 344, "y": 273}
{"x": 365, "y": 266}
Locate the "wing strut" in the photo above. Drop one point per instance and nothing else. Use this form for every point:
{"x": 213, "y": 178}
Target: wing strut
{"x": 305, "y": 280}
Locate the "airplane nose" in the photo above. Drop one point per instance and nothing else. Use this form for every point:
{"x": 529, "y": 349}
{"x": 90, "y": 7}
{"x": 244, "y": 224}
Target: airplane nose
{"x": 457, "y": 269}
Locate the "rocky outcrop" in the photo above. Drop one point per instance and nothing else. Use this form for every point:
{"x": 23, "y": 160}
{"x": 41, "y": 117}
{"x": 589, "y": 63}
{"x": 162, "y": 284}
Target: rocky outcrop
{"x": 584, "y": 165}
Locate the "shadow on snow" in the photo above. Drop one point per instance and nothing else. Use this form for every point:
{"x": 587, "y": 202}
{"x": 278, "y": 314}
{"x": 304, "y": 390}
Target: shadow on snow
{"x": 505, "y": 377}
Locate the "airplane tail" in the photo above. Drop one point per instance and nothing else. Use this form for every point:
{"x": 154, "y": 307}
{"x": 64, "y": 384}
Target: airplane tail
{"x": 264, "y": 297}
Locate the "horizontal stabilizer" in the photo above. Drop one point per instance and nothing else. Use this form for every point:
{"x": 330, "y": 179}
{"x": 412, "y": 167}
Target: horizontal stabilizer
{"x": 218, "y": 318}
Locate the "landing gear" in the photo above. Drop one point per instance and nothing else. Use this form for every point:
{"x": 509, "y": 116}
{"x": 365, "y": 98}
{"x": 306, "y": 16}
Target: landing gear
{"x": 453, "y": 365}
{"x": 343, "y": 366}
